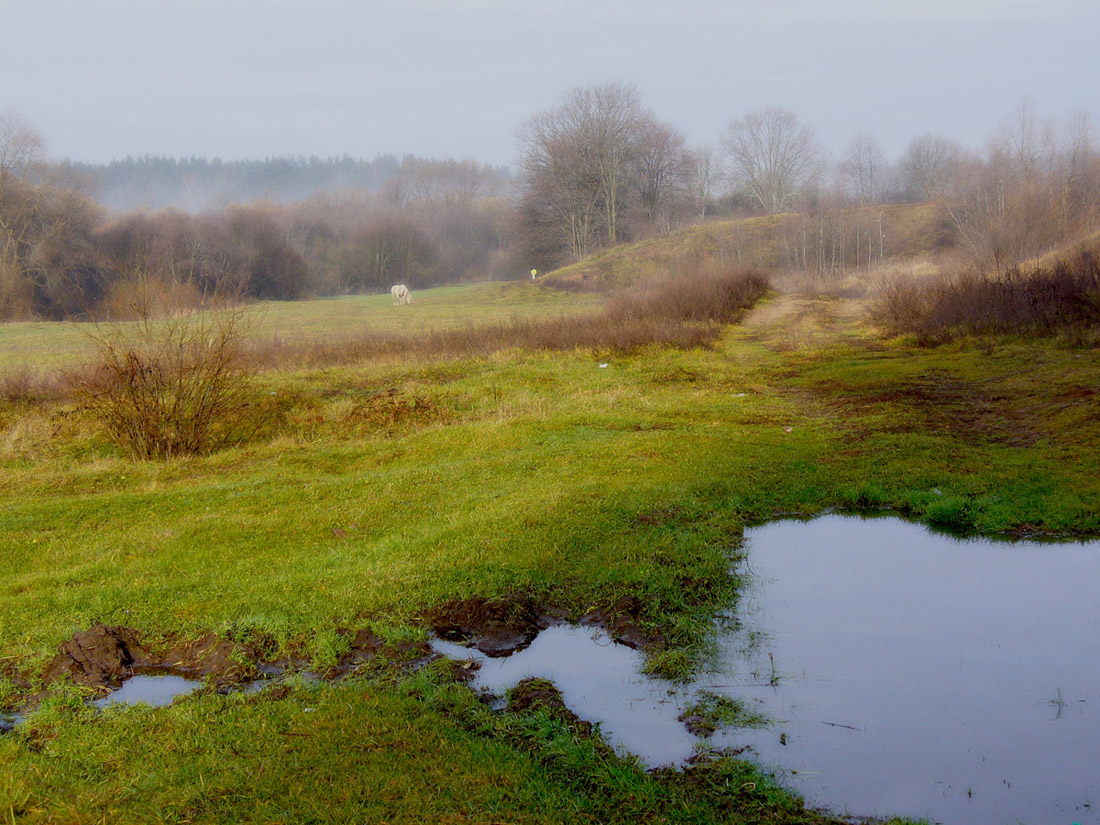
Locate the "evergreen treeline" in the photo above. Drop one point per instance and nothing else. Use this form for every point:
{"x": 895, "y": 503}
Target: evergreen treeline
{"x": 199, "y": 183}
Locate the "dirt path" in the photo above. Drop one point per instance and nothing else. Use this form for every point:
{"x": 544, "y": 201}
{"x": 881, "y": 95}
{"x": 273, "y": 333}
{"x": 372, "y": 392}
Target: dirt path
{"x": 796, "y": 320}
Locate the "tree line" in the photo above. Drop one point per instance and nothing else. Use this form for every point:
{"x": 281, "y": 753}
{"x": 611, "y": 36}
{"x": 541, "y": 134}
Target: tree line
{"x": 597, "y": 169}
{"x": 64, "y": 255}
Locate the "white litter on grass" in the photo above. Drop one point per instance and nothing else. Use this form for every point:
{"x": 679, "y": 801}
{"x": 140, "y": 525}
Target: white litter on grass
{"x": 602, "y": 366}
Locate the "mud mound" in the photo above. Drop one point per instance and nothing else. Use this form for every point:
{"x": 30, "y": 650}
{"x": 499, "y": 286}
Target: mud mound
{"x": 225, "y": 662}
{"x": 497, "y": 628}
{"x": 105, "y": 656}
{"x": 537, "y": 694}
{"x": 622, "y": 621}
{"x": 102, "y": 656}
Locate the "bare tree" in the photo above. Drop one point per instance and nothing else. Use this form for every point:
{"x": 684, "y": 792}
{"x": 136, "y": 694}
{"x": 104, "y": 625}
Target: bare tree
{"x": 772, "y": 157}
{"x": 1079, "y": 172}
{"x": 703, "y": 175}
{"x": 661, "y": 170}
{"x": 927, "y": 165}
{"x": 864, "y": 170}
{"x": 1026, "y": 142}
{"x": 579, "y": 167}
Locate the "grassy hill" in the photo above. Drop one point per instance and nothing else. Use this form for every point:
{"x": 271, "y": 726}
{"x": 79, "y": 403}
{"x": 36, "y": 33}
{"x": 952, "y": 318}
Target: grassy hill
{"x": 909, "y": 232}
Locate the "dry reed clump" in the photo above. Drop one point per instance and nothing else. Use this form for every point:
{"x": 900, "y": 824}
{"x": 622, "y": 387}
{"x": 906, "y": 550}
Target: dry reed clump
{"x": 174, "y": 387}
{"x": 1062, "y": 299}
{"x": 25, "y": 385}
{"x": 705, "y": 292}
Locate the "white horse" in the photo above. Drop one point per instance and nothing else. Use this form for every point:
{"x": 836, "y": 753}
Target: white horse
{"x": 401, "y": 294}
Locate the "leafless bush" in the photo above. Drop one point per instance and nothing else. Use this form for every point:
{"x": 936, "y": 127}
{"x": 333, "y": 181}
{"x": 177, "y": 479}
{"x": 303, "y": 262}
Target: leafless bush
{"x": 1062, "y": 299}
{"x": 172, "y": 387}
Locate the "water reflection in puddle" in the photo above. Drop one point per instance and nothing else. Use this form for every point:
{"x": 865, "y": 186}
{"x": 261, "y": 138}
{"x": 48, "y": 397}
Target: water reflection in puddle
{"x": 908, "y": 673}
{"x": 157, "y": 690}
{"x": 923, "y": 675}
{"x": 600, "y": 682}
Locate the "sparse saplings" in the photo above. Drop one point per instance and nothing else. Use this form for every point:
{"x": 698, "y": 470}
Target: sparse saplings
{"x": 772, "y": 157}
{"x": 1022, "y": 199}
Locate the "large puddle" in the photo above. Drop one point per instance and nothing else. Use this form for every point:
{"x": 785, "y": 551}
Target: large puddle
{"x": 906, "y": 673}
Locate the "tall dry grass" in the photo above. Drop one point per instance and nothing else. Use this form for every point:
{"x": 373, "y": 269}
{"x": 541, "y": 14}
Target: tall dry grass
{"x": 1058, "y": 300}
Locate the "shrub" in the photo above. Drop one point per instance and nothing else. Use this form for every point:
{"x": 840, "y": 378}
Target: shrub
{"x": 174, "y": 387}
{"x": 1063, "y": 299}
{"x": 702, "y": 292}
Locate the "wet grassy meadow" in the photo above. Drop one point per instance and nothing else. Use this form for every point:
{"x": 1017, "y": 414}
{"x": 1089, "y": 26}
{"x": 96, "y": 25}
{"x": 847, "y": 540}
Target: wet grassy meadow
{"x": 574, "y": 477}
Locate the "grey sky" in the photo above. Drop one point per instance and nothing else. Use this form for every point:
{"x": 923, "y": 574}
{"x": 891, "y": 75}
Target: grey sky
{"x": 102, "y": 79}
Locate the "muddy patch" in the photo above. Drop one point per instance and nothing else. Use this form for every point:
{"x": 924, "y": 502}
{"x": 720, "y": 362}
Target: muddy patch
{"x": 622, "y": 621}
{"x": 497, "y": 627}
{"x": 977, "y": 412}
{"x": 105, "y": 656}
{"x": 500, "y": 627}
{"x": 101, "y": 657}
{"x": 212, "y": 657}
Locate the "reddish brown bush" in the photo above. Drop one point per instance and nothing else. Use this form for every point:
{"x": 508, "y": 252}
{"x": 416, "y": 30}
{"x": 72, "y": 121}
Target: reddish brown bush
{"x": 1063, "y": 299}
{"x": 173, "y": 388}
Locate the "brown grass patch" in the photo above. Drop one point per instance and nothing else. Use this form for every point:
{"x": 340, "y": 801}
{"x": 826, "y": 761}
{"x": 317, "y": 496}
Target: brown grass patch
{"x": 392, "y": 409}
{"x": 1061, "y": 300}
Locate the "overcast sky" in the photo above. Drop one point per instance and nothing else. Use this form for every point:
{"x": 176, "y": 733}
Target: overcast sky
{"x": 103, "y": 79}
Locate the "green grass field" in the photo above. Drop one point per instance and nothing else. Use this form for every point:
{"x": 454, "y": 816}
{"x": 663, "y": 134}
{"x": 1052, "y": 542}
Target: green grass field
{"x": 547, "y": 474}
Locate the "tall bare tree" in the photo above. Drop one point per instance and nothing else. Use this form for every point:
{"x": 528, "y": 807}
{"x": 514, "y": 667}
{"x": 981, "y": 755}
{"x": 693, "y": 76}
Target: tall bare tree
{"x": 772, "y": 157}
{"x": 927, "y": 165}
{"x": 661, "y": 170}
{"x": 580, "y": 166}
{"x": 703, "y": 175}
{"x": 865, "y": 170}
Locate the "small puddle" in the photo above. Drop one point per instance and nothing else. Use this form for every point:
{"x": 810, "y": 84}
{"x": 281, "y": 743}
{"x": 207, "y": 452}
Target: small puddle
{"x": 905, "y": 673}
{"x": 155, "y": 689}
{"x": 600, "y": 681}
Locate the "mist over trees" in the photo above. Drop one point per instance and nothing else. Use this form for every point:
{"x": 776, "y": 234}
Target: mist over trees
{"x": 597, "y": 169}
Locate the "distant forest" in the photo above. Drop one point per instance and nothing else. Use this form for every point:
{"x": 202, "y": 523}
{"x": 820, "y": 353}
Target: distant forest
{"x": 199, "y": 184}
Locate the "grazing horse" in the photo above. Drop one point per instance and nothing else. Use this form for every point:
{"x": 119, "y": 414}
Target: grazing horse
{"x": 401, "y": 294}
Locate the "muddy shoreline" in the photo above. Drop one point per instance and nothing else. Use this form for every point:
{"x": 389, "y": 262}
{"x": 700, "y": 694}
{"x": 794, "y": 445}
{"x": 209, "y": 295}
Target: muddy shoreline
{"x": 103, "y": 657}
